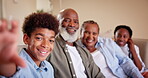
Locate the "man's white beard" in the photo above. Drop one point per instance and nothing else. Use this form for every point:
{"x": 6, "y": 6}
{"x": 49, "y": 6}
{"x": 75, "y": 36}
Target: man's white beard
{"x": 67, "y": 37}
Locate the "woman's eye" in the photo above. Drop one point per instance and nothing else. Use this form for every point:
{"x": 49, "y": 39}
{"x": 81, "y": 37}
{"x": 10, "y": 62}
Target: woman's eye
{"x": 94, "y": 33}
{"x": 86, "y": 32}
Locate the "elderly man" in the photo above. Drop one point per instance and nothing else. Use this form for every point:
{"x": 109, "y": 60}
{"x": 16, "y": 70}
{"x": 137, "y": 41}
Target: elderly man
{"x": 69, "y": 58}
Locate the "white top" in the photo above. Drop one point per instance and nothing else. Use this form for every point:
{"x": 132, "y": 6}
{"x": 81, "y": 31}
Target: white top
{"x": 126, "y": 52}
{"x": 77, "y": 62}
{"x": 101, "y": 62}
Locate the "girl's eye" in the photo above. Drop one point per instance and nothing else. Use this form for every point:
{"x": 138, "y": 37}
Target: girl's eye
{"x": 119, "y": 36}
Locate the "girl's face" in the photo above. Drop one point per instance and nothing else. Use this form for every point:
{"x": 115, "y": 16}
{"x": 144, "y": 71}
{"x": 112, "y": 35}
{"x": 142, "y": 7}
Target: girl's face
{"x": 121, "y": 36}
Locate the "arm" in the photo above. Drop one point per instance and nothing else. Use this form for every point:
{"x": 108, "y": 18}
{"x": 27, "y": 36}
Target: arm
{"x": 9, "y": 58}
{"x": 126, "y": 63}
{"x": 136, "y": 60}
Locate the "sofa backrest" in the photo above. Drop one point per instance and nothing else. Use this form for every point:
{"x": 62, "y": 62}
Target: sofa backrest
{"x": 143, "y": 47}
{"x": 19, "y": 47}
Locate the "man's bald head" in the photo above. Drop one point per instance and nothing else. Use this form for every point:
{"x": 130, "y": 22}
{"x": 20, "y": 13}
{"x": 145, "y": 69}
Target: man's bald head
{"x": 66, "y": 12}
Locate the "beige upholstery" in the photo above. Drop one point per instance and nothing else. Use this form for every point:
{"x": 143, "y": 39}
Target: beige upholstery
{"x": 143, "y": 47}
{"x": 20, "y": 47}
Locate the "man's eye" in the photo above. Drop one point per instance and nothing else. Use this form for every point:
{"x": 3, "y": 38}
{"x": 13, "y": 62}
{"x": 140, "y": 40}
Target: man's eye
{"x": 67, "y": 20}
{"x": 76, "y": 22}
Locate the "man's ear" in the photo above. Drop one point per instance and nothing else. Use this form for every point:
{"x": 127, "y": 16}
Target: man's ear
{"x": 26, "y": 39}
{"x": 81, "y": 32}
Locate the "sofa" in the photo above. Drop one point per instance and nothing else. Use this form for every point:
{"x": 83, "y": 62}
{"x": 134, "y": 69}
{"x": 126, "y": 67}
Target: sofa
{"x": 143, "y": 47}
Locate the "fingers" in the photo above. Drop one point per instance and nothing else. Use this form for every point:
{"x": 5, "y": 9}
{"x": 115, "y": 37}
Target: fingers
{"x": 3, "y": 25}
{"x": 14, "y": 28}
{"x": 18, "y": 61}
{"x": 16, "y": 58}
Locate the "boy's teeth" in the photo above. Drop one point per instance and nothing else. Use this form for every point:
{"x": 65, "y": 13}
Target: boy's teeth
{"x": 43, "y": 52}
{"x": 90, "y": 40}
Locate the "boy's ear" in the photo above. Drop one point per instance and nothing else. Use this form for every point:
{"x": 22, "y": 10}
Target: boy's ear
{"x": 26, "y": 39}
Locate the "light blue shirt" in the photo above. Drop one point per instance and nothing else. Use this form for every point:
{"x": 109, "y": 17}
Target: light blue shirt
{"x": 126, "y": 51}
{"x": 32, "y": 70}
{"x": 118, "y": 63}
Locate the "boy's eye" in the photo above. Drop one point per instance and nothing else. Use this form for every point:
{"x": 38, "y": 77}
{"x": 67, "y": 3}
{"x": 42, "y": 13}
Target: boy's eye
{"x": 38, "y": 38}
{"x": 51, "y": 41}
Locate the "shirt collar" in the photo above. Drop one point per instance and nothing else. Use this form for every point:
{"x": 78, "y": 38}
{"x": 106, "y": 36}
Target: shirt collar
{"x": 99, "y": 42}
{"x": 25, "y": 55}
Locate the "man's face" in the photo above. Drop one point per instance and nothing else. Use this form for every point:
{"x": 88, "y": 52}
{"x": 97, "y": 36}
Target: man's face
{"x": 90, "y": 35}
{"x": 121, "y": 36}
{"x": 69, "y": 26}
{"x": 40, "y": 43}
{"x": 70, "y": 22}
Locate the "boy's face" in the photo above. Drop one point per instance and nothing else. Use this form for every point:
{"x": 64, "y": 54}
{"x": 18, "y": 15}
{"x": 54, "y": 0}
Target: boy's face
{"x": 90, "y": 35}
{"x": 121, "y": 36}
{"x": 40, "y": 43}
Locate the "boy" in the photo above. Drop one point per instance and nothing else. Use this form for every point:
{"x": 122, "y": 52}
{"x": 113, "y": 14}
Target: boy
{"x": 39, "y": 31}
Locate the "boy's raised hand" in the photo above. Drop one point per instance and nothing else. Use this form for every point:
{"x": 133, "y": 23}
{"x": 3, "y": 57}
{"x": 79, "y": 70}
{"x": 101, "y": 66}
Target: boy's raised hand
{"x": 8, "y": 44}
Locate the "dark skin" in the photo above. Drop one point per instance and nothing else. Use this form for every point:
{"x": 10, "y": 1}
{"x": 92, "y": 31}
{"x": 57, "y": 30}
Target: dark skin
{"x": 8, "y": 41}
{"x": 69, "y": 19}
{"x": 90, "y": 36}
{"x": 121, "y": 38}
{"x": 40, "y": 45}
{"x": 145, "y": 74}
{"x": 133, "y": 51}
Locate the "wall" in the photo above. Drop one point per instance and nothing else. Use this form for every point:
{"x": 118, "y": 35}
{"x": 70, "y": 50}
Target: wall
{"x": 19, "y": 9}
{"x": 44, "y": 5}
{"x": 0, "y": 8}
{"x": 110, "y": 13}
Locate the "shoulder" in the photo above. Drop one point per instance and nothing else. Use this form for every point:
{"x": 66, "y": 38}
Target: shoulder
{"x": 48, "y": 65}
{"x": 136, "y": 46}
{"x": 106, "y": 41}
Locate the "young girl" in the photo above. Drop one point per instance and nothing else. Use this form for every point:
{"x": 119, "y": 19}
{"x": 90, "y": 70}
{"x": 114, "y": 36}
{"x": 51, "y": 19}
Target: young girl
{"x": 123, "y": 37}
